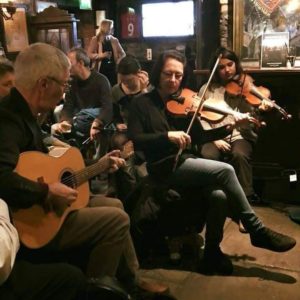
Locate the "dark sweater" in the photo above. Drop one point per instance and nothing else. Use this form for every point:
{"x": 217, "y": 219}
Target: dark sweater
{"x": 93, "y": 92}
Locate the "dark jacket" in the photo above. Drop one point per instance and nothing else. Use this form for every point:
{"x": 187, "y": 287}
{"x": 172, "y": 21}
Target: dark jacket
{"x": 19, "y": 132}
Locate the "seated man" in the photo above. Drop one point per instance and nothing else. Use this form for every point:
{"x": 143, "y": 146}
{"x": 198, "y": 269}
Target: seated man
{"x": 89, "y": 90}
{"x": 160, "y": 135}
{"x": 95, "y": 237}
{"x": 7, "y": 81}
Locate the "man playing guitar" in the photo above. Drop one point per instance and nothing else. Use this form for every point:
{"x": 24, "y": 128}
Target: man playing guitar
{"x": 94, "y": 237}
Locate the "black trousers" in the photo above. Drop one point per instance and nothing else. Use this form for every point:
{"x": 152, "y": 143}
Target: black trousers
{"x": 239, "y": 157}
{"x": 58, "y": 281}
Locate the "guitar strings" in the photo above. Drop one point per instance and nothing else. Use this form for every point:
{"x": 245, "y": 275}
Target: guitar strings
{"x": 73, "y": 179}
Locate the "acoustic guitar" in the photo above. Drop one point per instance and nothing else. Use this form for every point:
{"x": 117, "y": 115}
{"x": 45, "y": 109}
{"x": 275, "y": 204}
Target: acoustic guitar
{"x": 37, "y": 227}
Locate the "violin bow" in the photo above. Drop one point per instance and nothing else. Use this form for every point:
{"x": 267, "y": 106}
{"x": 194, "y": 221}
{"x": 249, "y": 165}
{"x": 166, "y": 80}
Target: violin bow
{"x": 201, "y": 101}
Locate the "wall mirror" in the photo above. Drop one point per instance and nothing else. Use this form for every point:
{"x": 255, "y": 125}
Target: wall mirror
{"x": 254, "y": 18}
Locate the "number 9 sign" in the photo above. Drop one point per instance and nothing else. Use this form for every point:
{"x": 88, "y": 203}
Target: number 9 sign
{"x": 129, "y": 26}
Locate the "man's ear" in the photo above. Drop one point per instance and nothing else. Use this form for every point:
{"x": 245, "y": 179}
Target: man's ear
{"x": 43, "y": 83}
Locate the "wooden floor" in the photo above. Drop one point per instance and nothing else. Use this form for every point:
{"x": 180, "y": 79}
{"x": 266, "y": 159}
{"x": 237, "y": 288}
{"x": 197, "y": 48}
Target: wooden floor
{"x": 258, "y": 274}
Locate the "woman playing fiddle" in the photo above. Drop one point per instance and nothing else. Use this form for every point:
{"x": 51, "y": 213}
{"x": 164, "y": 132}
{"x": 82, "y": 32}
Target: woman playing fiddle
{"x": 237, "y": 147}
{"x": 160, "y": 136}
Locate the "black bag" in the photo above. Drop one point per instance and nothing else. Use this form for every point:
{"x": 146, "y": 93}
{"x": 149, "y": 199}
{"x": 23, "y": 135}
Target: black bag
{"x": 82, "y": 121}
{"x": 107, "y": 288}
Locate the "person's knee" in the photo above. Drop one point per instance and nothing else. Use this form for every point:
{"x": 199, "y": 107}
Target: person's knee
{"x": 121, "y": 218}
{"x": 72, "y": 273}
{"x": 219, "y": 199}
{"x": 102, "y": 201}
{"x": 124, "y": 217}
{"x": 239, "y": 157}
{"x": 210, "y": 154}
{"x": 73, "y": 280}
{"x": 228, "y": 169}
{"x": 116, "y": 203}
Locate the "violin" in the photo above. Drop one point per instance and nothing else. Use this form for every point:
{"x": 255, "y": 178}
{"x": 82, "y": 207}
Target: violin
{"x": 187, "y": 101}
{"x": 253, "y": 94}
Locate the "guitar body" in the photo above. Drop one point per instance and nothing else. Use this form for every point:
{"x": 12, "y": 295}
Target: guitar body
{"x": 35, "y": 227}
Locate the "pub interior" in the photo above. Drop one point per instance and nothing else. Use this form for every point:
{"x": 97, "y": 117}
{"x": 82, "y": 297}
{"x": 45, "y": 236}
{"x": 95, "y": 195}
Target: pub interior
{"x": 265, "y": 36}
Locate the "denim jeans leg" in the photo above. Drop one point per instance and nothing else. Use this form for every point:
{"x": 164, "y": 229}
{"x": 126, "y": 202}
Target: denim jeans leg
{"x": 201, "y": 173}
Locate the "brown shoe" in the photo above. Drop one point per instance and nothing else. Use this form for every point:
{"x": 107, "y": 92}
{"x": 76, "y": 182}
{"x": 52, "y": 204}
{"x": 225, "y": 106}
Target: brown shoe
{"x": 153, "y": 286}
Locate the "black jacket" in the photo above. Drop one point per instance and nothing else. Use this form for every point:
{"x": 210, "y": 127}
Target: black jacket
{"x": 19, "y": 132}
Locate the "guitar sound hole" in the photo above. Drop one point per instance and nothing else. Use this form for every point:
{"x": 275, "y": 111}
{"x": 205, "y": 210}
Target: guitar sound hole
{"x": 68, "y": 179}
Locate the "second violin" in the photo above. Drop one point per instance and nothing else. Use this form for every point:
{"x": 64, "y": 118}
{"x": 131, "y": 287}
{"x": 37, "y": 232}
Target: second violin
{"x": 244, "y": 85}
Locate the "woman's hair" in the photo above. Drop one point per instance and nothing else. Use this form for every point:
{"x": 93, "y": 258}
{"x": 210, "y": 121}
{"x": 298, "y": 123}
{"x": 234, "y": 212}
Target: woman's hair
{"x": 105, "y": 26}
{"x": 6, "y": 66}
{"x": 81, "y": 55}
{"x": 128, "y": 65}
{"x": 39, "y": 60}
{"x": 226, "y": 53}
{"x": 158, "y": 66}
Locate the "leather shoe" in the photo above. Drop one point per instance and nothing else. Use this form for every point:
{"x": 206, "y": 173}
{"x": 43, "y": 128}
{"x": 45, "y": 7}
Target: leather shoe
{"x": 215, "y": 262}
{"x": 272, "y": 240}
{"x": 153, "y": 287}
{"x": 142, "y": 294}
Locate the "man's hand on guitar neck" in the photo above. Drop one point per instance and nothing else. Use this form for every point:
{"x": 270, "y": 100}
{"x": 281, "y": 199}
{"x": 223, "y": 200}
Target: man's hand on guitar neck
{"x": 115, "y": 160}
{"x": 59, "y": 197}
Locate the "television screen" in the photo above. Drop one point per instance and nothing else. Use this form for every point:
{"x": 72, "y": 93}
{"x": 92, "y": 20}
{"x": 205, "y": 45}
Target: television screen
{"x": 168, "y": 19}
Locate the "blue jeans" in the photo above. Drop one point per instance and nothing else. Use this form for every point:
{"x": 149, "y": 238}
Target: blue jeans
{"x": 218, "y": 183}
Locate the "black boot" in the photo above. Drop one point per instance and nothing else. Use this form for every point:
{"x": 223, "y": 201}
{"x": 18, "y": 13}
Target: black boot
{"x": 215, "y": 262}
{"x": 272, "y": 240}
{"x": 255, "y": 200}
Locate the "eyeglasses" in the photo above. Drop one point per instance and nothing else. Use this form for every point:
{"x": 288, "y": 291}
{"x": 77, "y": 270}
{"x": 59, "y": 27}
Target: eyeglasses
{"x": 170, "y": 75}
{"x": 65, "y": 85}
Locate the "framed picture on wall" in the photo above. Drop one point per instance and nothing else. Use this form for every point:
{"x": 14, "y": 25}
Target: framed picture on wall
{"x": 274, "y": 48}
{"x": 254, "y": 19}
{"x": 15, "y": 31}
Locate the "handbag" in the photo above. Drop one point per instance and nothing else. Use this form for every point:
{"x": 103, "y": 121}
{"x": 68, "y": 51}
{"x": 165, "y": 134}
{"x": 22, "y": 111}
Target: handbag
{"x": 82, "y": 121}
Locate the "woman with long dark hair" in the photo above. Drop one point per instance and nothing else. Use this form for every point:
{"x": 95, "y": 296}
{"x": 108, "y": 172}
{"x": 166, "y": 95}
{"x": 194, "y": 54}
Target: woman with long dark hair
{"x": 237, "y": 147}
